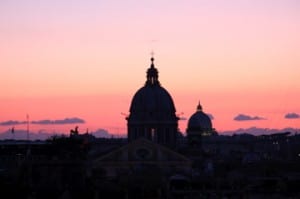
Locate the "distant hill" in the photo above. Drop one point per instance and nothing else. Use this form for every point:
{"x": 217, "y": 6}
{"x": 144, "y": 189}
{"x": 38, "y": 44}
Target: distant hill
{"x": 259, "y": 131}
{"x": 22, "y": 135}
{"x": 102, "y": 133}
{"x": 43, "y": 135}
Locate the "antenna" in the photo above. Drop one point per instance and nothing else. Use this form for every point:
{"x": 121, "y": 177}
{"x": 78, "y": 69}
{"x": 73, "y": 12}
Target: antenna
{"x": 125, "y": 114}
{"x": 27, "y": 118}
{"x": 179, "y": 116}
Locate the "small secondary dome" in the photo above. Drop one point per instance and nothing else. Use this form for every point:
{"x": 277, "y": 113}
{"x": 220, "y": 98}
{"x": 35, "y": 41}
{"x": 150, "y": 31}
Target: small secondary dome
{"x": 199, "y": 120}
{"x": 199, "y": 125}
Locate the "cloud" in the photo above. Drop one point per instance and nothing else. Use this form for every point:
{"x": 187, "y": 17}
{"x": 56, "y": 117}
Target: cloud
{"x": 42, "y": 122}
{"x": 242, "y": 117}
{"x": 292, "y": 116}
{"x": 12, "y": 122}
{"x": 73, "y": 120}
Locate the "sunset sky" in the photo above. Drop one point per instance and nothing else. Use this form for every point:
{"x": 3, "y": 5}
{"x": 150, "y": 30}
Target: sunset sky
{"x": 86, "y": 59}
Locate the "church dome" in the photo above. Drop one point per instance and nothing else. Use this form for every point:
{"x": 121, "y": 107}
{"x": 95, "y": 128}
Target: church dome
{"x": 199, "y": 120}
{"x": 152, "y": 112}
{"x": 152, "y": 101}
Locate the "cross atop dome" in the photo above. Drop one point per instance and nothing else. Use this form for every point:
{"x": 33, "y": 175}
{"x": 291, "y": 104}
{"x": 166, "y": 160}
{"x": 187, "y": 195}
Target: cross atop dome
{"x": 152, "y": 53}
{"x": 152, "y": 59}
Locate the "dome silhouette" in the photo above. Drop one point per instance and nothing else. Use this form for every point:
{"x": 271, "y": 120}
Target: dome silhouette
{"x": 199, "y": 120}
{"x": 199, "y": 125}
{"x": 152, "y": 112}
{"x": 152, "y": 103}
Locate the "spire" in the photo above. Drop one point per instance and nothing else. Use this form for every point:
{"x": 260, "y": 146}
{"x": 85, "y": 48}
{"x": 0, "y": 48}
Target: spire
{"x": 152, "y": 73}
{"x": 152, "y": 62}
{"x": 199, "y": 107}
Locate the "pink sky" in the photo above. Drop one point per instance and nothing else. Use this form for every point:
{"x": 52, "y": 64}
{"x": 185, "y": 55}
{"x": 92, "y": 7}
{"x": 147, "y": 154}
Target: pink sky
{"x": 83, "y": 59}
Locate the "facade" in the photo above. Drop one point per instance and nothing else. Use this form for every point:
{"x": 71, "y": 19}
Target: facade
{"x": 152, "y": 112}
{"x": 141, "y": 155}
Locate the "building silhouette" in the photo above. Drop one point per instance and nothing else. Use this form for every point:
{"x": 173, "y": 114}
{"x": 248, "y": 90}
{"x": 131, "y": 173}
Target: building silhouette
{"x": 199, "y": 125}
{"x": 152, "y": 112}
